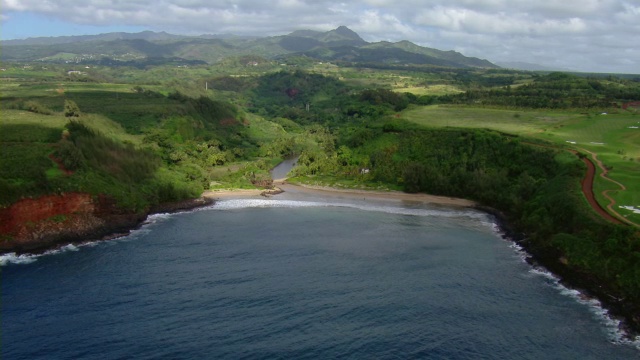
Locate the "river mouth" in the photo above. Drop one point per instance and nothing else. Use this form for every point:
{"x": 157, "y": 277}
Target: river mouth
{"x": 279, "y": 173}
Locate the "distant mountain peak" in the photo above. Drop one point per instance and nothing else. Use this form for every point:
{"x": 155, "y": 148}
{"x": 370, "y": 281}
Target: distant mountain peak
{"x": 342, "y": 36}
{"x": 303, "y": 40}
{"x": 347, "y": 33}
{"x": 305, "y": 33}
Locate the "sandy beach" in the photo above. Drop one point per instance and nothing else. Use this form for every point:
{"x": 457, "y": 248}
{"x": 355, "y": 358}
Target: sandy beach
{"x": 301, "y": 191}
{"x": 230, "y": 194}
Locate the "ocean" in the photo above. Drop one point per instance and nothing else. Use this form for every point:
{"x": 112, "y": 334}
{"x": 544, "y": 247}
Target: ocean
{"x": 300, "y": 277}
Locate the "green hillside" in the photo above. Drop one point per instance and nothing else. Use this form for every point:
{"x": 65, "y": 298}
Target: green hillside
{"x": 143, "y": 47}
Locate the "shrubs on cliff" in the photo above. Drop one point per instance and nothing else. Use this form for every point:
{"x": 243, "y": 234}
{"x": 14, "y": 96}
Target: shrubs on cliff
{"x": 86, "y": 148}
{"x": 133, "y": 176}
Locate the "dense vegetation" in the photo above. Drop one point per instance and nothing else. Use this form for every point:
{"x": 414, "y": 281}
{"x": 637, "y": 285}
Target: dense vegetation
{"x": 556, "y": 91}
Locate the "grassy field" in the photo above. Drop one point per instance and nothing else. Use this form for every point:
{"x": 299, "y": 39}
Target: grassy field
{"x": 26, "y": 141}
{"x": 615, "y": 138}
{"x": 616, "y": 141}
{"x": 416, "y": 83}
{"x": 435, "y": 90}
{"x": 509, "y": 121}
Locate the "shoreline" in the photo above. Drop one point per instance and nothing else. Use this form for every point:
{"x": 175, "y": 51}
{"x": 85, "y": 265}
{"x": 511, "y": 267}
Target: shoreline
{"x": 326, "y": 191}
{"x": 626, "y": 313}
{"x": 96, "y": 223}
{"x": 104, "y": 225}
{"x": 376, "y": 195}
{"x": 229, "y": 194}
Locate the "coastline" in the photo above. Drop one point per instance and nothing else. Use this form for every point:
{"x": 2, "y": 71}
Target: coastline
{"x": 230, "y": 194}
{"x": 590, "y": 287}
{"x": 121, "y": 225}
{"x": 627, "y": 313}
{"x": 84, "y": 220}
{"x": 325, "y": 191}
{"x": 98, "y": 220}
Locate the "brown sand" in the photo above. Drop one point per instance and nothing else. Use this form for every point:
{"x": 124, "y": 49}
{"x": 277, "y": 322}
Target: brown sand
{"x": 232, "y": 194}
{"x": 325, "y": 192}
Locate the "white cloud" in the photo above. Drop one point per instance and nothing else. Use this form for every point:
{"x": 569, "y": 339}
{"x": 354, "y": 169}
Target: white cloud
{"x": 382, "y": 26}
{"x": 465, "y": 20}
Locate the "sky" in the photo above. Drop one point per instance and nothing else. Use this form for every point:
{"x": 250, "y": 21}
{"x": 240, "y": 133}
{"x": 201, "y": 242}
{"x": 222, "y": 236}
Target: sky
{"x": 582, "y": 35}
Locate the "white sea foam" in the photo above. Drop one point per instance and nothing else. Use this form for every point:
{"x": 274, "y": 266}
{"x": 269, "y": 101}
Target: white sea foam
{"x": 611, "y": 325}
{"x": 520, "y": 252}
{"x": 546, "y": 274}
{"x": 69, "y": 247}
{"x": 267, "y": 203}
{"x": 13, "y": 258}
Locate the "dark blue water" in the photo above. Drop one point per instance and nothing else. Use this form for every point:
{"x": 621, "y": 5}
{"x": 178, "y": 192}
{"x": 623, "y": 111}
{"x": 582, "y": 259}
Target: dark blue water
{"x": 282, "y": 279}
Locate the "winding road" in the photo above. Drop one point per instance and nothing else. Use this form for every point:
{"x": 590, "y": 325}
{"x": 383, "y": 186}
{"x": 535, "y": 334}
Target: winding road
{"x": 587, "y": 186}
{"x": 587, "y": 189}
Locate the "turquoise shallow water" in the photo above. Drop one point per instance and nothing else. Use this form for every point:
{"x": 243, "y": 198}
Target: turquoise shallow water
{"x": 297, "y": 278}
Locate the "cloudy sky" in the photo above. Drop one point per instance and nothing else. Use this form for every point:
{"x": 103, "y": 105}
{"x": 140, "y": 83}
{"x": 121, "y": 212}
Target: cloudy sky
{"x": 584, "y": 35}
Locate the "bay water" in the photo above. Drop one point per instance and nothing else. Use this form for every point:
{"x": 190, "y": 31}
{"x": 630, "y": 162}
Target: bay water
{"x": 297, "y": 277}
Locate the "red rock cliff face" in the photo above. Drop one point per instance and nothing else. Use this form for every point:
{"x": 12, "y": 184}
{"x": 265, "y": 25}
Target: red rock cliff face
{"x": 29, "y": 211}
{"x": 33, "y": 224}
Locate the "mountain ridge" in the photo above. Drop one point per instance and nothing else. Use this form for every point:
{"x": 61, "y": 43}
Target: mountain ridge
{"x": 340, "y": 44}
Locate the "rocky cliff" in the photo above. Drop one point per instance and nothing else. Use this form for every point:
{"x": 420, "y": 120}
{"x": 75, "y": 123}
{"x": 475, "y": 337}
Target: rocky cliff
{"x": 33, "y": 225}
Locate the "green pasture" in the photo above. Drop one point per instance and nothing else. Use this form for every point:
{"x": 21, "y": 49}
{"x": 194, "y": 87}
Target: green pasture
{"x": 117, "y": 102}
{"x": 53, "y": 92}
{"x": 528, "y": 122}
{"x": 30, "y": 72}
{"x": 26, "y": 140}
{"x": 401, "y": 81}
{"x": 20, "y": 119}
{"x": 613, "y": 137}
{"x": 434, "y": 90}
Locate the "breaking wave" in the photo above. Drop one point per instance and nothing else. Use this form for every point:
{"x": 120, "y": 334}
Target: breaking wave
{"x": 612, "y": 326}
{"x": 13, "y": 258}
{"x": 265, "y": 203}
